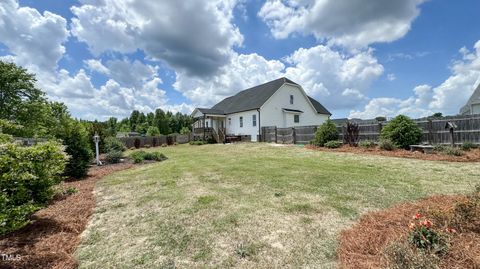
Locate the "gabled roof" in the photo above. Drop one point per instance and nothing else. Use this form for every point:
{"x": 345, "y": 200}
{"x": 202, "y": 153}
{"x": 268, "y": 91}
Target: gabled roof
{"x": 475, "y": 97}
{"x": 211, "y": 111}
{"x": 255, "y": 97}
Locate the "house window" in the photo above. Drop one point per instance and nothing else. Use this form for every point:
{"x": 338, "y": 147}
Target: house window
{"x": 206, "y": 124}
{"x": 254, "y": 120}
{"x": 241, "y": 121}
{"x": 296, "y": 118}
{"x": 291, "y": 99}
{"x": 229, "y": 121}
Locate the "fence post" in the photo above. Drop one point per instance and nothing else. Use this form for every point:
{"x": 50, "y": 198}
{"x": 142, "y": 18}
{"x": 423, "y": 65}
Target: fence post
{"x": 293, "y": 135}
{"x": 276, "y": 141}
{"x": 430, "y": 131}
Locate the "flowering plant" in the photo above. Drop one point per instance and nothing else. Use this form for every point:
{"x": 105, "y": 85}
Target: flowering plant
{"x": 423, "y": 235}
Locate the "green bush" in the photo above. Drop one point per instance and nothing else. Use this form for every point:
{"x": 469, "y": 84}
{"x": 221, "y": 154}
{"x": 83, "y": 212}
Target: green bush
{"x": 468, "y": 146}
{"x": 451, "y": 151}
{"x": 114, "y": 144}
{"x": 401, "y": 255}
{"x": 387, "y": 144}
{"x": 325, "y": 133}
{"x": 402, "y": 131}
{"x": 140, "y": 156}
{"x": 367, "y": 144}
{"x": 27, "y": 177}
{"x": 197, "y": 142}
{"x": 114, "y": 156}
{"x": 76, "y": 140}
{"x": 439, "y": 148}
{"x": 333, "y": 144}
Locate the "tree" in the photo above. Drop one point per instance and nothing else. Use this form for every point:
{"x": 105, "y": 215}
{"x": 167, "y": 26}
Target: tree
{"x": 437, "y": 115}
{"x": 402, "y": 131}
{"x": 325, "y": 133}
{"x": 20, "y": 101}
{"x": 153, "y": 131}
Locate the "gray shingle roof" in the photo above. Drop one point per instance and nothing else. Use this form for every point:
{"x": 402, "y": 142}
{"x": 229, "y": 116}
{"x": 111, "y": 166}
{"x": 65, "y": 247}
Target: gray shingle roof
{"x": 255, "y": 97}
{"x": 211, "y": 111}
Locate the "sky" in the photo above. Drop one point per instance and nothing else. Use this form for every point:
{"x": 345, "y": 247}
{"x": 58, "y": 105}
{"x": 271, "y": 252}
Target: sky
{"x": 360, "y": 59}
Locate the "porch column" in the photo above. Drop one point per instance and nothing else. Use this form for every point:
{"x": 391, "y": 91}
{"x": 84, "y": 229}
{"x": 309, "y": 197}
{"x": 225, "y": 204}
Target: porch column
{"x": 204, "y": 120}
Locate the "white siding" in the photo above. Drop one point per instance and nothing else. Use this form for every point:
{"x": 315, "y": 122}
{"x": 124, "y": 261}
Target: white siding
{"x": 272, "y": 111}
{"x": 233, "y": 125}
{"x": 475, "y": 108}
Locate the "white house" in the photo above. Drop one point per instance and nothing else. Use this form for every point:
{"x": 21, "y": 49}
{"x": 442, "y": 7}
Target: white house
{"x": 281, "y": 103}
{"x": 473, "y": 104}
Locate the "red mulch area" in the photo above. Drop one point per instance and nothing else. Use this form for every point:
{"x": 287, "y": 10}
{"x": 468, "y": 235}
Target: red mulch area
{"x": 50, "y": 241}
{"x": 363, "y": 245}
{"x": 469, "y": 156}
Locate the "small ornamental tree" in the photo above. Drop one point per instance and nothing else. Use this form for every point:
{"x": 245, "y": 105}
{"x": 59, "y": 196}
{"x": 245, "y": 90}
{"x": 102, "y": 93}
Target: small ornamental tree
{"x": 325, "y": 133}
{"x": 77, "y": 145}
{"x": 153, "y": 131}
{"x": 402, "y": 131}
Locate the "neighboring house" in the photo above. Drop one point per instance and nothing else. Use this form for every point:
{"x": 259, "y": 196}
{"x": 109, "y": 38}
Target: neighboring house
{"x": 473, "y": 104}
{"x": 281, "y": 103}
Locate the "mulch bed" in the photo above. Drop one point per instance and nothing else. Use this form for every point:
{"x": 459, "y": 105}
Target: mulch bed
{"x": 469, "y": 156}
{"x": 50, "y": 241}
{"x": 363, "y": 245}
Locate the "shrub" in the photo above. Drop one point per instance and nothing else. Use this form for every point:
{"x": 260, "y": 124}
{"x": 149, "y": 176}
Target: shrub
{"x": 114, "y": 144}
{"x": 424, "y": 236}
{"x": 76, "y": 140}
{"x": 185, "y": 130}
{"x": 197, "y": 142}
{"x": 402, "y": 131}
{"x": 466, "y": 214}
{"x": 326, "y": 132}
{"x": 114, "y": 156}
{"x": 333, "y": 144}
{"x": 439, "y": 148}
{"x": 468, "y": 146}
{"x": 401, "y": 255}
{"x": 27, "y": 177}
{"x": 153, "y": 131}
{"x": 387, "y": 144}
{"x": 451, "y": 151}
{"x": 351, "y": 133}
{"x": 140, "y": 156}
{"x": 367, "y": 144}
{"x": 136, "y": 143}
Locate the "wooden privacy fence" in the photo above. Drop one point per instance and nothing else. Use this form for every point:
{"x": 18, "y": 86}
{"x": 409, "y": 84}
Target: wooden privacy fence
{"x": 434, "y": 131}
{"x": 155, "y": 141}
{"x": 296, "y": 135}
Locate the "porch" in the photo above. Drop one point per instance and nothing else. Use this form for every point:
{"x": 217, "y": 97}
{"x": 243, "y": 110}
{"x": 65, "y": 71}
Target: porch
{"x": 209, "y": 126}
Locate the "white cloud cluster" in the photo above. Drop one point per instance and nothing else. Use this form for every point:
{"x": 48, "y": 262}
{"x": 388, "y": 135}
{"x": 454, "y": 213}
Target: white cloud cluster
{"x": 353, "y": 23}
{"x": 447, "y": 97}
{"x": 34, "y": 40}
{"x": 195, "y": 37}
{"x": 337, "y": 80}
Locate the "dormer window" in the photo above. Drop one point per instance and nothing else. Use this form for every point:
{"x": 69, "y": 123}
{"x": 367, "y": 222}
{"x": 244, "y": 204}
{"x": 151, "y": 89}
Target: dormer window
{"x": 291, "y": 99}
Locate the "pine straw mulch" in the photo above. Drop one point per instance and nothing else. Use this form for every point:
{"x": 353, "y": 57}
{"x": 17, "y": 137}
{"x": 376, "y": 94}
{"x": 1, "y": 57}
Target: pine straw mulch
{"x": 363, "y": 245}
{"x": 50, "y": 241}
{"x": 469, "y": 156}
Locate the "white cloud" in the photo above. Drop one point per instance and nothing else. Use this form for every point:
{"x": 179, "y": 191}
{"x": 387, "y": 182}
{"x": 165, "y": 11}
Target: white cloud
{"x": 446, "y": 98}
{"x": 391, "y": 77}
{"x": 337, "y": 80}
{"x": 353, "y": 23}
{"x": 35, "y": 40}
{"x": 198, "y": 45}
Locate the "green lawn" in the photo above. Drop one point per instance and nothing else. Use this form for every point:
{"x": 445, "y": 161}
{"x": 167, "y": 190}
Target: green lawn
{"x": 249, "y": 205}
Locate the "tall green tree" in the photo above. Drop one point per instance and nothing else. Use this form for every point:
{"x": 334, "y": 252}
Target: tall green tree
{"x": 21, "y": 101}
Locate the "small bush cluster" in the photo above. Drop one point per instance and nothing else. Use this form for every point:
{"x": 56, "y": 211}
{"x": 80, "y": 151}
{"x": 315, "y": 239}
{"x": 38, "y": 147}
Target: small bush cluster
{"x": 468, "y": 146}
{"x": 197, "y": 142}
{"x": 325, "y": 133}
{"x": 367, "y": 144}
{"x": 387, "y": 144}
{"x": 424, "y": 236}
{"x": 140, "y": 156}
{"x": 452, "y": 151}
{"x": 402, "y": 131}
{"x": 114, "y": 156}
{"x": 27, "y": 177}
{"x": 114, "y": 144}
{"x": 333, "y": 144}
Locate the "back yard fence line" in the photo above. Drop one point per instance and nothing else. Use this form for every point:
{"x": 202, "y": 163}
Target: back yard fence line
{"x": 434, "y": 131}
{"x": 155, "y": 141}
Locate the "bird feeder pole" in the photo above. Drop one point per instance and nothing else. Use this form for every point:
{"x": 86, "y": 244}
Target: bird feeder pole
{"x": 96, "y": 139}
